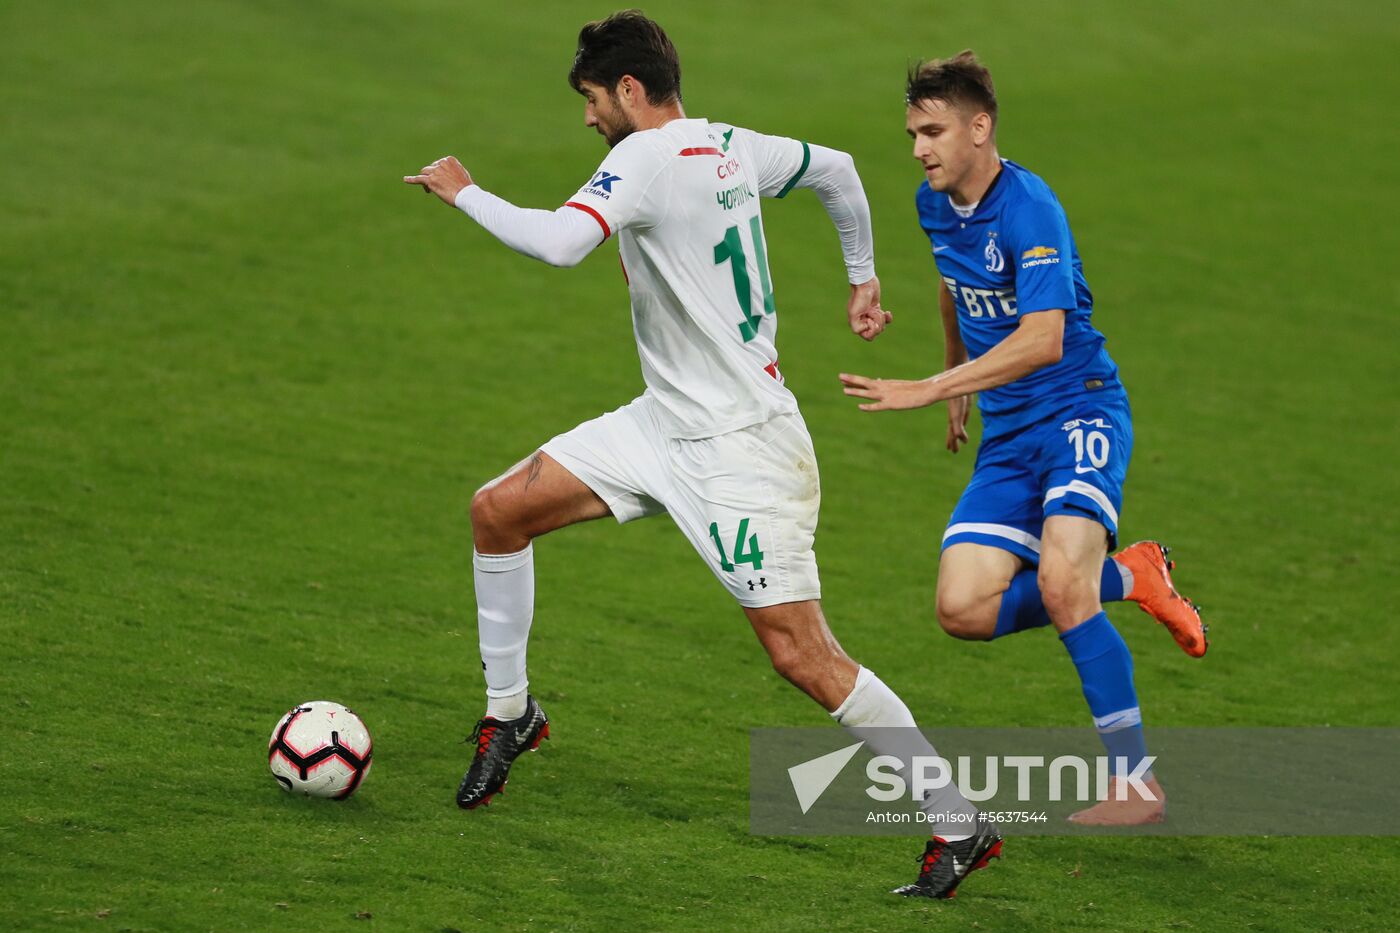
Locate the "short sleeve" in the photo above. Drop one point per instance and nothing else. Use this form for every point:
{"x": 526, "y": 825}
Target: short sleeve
{"x": 1039, "y": 241}
{"x": 619, "y": 193}
{"x": 778, "y": 163}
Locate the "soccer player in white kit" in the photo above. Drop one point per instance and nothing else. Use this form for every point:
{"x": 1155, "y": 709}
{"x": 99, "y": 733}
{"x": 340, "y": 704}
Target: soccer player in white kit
{"x": 716, "y": 440}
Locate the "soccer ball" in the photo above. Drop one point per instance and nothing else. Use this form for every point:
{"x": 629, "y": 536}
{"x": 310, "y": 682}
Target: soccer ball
{"x": 320, "y": 749}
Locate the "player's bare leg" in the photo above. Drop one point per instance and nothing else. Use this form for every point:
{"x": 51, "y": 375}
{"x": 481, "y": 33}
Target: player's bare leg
{"x": 1073, "y": 550}
{"x": 805, "y": 652}
{"x": 1071, "y": 561}
{"x": 971, "y": 581}
{"x": 532, "y": 498}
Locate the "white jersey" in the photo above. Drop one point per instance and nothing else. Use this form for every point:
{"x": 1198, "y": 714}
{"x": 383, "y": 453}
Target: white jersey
{"x": 683, "y": 201}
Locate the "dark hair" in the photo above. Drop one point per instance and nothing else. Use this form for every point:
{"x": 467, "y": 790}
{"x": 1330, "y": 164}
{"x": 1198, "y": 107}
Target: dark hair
{"x": 960, "y": 81}
{"x": 627, "y": 43}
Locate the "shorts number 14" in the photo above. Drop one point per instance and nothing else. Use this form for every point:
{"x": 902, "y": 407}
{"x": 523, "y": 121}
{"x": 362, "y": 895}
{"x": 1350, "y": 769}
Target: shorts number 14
{"x": 745, "y": 552}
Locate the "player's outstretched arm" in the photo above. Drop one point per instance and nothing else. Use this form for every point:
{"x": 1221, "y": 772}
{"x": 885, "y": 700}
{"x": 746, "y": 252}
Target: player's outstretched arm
{"x": 560, "y": 238}
{"x": 1037, "y": 342}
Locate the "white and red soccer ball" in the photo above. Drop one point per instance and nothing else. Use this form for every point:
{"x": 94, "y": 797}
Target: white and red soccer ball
{"x": 320, "y": 749}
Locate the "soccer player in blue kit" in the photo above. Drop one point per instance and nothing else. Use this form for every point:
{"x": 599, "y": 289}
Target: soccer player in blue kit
{"x": 1028, "y": 543}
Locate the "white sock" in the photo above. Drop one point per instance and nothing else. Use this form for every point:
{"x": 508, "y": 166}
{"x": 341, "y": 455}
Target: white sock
{"x": 871, "y": 703}
{"x": 505, "y": 606}
{"x": 875, "y": 714}
{"x": 506, "y": 708}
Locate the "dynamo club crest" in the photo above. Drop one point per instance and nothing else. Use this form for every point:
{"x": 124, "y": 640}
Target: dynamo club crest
{"x": 995, "y": 261}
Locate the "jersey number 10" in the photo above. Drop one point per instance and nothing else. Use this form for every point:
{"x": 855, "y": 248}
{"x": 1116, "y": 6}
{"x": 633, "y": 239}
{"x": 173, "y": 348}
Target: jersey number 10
{"x": 731, "y": 250}
{"x": 1094, "y": 444}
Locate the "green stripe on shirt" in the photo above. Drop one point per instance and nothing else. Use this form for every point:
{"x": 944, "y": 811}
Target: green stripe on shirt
{"x": 801, "y": 170}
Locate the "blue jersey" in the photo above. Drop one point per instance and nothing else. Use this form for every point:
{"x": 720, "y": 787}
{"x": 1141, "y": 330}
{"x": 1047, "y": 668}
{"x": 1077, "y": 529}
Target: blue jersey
{"x": 1013, "y": 256}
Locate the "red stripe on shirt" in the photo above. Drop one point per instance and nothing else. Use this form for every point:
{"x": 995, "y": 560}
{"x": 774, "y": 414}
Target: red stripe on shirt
{"x": 596, "y": 216}
{"x": 703, "y": 150}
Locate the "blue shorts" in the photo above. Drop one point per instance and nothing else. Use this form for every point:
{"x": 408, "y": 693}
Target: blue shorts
{"x": 1071, "y": 463}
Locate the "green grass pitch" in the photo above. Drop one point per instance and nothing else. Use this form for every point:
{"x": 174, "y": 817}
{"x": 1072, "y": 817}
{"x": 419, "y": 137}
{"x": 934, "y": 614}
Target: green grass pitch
{"x": 249, "y": 380}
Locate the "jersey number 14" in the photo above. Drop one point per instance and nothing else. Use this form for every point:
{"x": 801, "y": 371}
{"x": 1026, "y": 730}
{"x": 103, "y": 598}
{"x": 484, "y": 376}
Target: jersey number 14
{"x": 731, "y": 250}
{"x": 743, "y": 554}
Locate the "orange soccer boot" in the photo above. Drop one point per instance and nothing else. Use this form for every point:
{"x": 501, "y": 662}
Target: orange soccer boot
{"x": 1155, "y": 595}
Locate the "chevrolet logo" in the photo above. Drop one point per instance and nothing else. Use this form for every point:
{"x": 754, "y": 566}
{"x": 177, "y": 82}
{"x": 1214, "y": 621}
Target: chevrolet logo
{"x": 1039, "y": 252}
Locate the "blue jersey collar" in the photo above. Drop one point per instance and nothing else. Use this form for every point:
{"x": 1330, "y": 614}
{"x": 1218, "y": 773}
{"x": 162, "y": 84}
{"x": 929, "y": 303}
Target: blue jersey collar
{"x": 988, "y": 197}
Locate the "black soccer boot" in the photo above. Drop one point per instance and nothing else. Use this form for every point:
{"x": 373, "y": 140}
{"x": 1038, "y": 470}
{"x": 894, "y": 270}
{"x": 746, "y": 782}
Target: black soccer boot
{"x": 498, "y": 744}
{"x": 944, "y": 865}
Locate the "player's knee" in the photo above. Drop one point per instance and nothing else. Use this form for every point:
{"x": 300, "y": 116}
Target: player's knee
{"x": 488, "y": 512}
{"x": 1067, "y": 598}
{"x": 964, "y": 617}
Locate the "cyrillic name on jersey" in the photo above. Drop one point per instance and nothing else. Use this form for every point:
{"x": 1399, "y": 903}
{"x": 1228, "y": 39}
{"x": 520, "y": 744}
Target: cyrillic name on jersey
{"x": 737, "y": 196}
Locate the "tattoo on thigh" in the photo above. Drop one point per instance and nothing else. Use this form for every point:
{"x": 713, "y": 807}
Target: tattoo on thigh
{"x": 536, "y": 464}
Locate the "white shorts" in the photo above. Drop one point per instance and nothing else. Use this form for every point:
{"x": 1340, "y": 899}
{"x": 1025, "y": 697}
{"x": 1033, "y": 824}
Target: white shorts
{"x": 746, "y": 500}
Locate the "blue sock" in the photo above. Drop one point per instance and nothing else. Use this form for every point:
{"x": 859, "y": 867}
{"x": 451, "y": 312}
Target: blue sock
{"x": 1021, "y": 608}
{"x": 1106, "y": 674}
{"x": 1111, "y": 583}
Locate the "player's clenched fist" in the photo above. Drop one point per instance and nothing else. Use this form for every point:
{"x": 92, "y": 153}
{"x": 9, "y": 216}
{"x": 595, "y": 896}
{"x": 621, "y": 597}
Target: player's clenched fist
{"x": 444, "y": 178}
{"x": 867, "y": 318}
